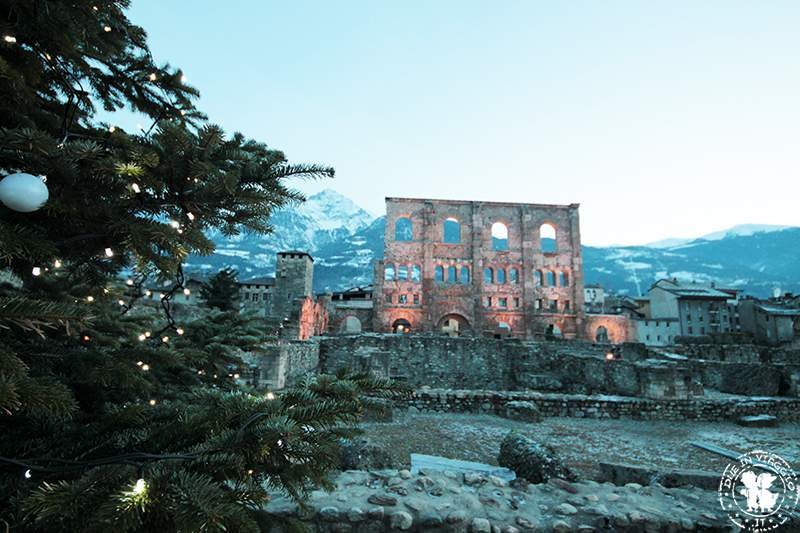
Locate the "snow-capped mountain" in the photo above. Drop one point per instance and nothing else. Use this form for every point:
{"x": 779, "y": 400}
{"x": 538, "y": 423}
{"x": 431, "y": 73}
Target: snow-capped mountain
{"x": 344, "y": 240}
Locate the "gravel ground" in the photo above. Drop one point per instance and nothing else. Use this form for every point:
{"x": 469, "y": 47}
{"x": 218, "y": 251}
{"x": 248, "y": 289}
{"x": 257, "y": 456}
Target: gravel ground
{"x": 582, "y": 442}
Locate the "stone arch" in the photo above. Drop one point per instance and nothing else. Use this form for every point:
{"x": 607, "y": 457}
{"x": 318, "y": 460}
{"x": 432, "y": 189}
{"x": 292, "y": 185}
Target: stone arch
{"x": 499, "y": 237}
{"x": 553, "y": 331}
{"x": 453, "y": 324}
{"x": 401, "y": 325}
{"x": 403, "y": 229}
{"x": 451, "y": 231}
{"x": 548, "y": 236}
{"x": 601, "y": 335}
{"x": 351, "y": 324}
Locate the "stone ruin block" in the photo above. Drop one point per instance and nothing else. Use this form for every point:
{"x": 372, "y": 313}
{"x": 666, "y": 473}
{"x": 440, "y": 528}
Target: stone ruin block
{"x": 662, "y": 380}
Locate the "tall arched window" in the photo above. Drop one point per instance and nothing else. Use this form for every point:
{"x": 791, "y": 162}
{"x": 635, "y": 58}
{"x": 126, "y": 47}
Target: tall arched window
{"x": 402, "y": 272}
{"x": 563, "y": 279}
{"x": 537, "y": 278}
{"x": 465, "y": 274}
{"x": 551, "y": 279}
{"x": 452, "y": 231}
{"x": 438, "y": 273}
{"x": 547, "y": 238}
{"x": 452, "y": 274}
{"x": 499, "y": 237}
{"x": 488, "y": 275}
{"x": 513, "y": 275}
{"x": 416, "y": 273}
{"x": 500, "y": 276}
{"x": 388, "y": 272}
{"x": 403, "y": 229}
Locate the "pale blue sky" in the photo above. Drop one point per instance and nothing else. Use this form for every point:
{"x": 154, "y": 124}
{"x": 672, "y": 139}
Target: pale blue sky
{"x": 661, "y": 118}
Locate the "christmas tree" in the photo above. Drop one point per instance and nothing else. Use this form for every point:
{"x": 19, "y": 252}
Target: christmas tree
{"x": 112, "y": 419}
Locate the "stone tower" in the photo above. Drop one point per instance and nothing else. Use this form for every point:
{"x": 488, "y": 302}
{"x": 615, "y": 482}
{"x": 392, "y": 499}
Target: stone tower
{"x": 294, "y": 276}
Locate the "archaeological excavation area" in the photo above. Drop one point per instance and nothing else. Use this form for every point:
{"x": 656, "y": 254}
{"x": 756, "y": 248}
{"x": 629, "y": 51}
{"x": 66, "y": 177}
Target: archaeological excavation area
{"x": 597, "y": 437}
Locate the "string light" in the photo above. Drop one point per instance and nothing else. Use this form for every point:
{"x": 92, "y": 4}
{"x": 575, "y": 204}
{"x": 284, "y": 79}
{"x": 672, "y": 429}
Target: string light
{"x": 236, "y": 376}
{"x": 109, "y": 252}
{"x": 28, "y": 474}
{"x": 121, "y": 302}
{"x": 129, "y": 282}
{"x": 147, "y": 334}
{"x": 152, "y": 402}
{"x": 57, "y": 264}
{"x": 187, "y": 292}
{"x": 9, "y": 38}
{"x": 164, "y": 339}
{"x": 160, "y": 295}
{"x": 250, "y": 471}
{"x": 139, "y": 363}
{"x": 152, "y": 76}
{"x": 142, "y": 337}
{"x": 112, "y": 129}
{"x": 106, "y": 29}
{"x": 105, "y": 291}
{"x": 90, "y": 299}
{"x": 145, "y": 367}
{"x": 86, "y": 338}
{"x": 147, "y": 293}
{"x": 175, "y": 224}
{"x": 135, "y": 187}
{"x": 183, "y": 113}
{"x": 140, "y": 486}
{"x": 190, "y": 215}
{"x": 179, "y": 331}
{"x": 95, "y": 8}
{"x": 270, "y": 395}
{"x": 37, "y": 271}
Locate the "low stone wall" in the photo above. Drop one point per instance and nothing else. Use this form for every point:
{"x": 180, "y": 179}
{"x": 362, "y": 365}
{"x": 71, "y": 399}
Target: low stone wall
{"x": 580, "y": 406}
{"x": 281, "y": 364}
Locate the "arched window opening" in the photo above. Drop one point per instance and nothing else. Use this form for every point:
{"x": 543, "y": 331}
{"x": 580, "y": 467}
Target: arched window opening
{"x": 537, "y": 278}
{"x": 452, "y": 231}
{"x": 416, "y": 273}
{"x": 547, "y": 238}
{"x": 500, "y": 276}
{"x": 438, "y": 273}
{"x": 401, "y": 325}
{"x": 488, "y": 275}
{"x": 551, "y": 279}
{"x": 351, "y": 324}
{"x": 452, "y": 274}
{"x": 513, "y": 275}
{"x": 403, "y": 230}
{"x": 464, "y": 274}
{"x": 402, "y": 272}
{"x": 563, "y": 279}
{"x": 499, "y": 237}
{"x": 601, "y": 335}
{"x": 388, "y": 272}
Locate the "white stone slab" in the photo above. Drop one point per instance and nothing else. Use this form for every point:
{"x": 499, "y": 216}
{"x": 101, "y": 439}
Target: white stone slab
{"x": 433, "y": 462}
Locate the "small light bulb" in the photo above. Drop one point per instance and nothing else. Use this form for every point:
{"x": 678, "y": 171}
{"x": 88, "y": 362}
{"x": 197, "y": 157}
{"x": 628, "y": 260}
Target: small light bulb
{"x": 183, "y": 113}
{"x": 179, "y": 331}
{"x": 145, "y": 367}
{"x": 109, "y": 252}
{"x": 174, "y": 224}
{"x": 105, "y": 291}
{"x": 47, "y": 56}
{"x": 152, "y": 76}
{"x": 215, "y": 376}
{"x": 250, "y": 472}
{"x": 142, "y": 337}
{"x": 86, "y": 338}
{"x": 187, "y": 292}
{"x": 164, "y": 339}
{"x": 196, "y": 180}
{"x": 236, "y": 376}
{"x": 184, "y": 79}
{"x": 90, "y": 299}
{"x": 37, "y": 271}
{"x": 95, "y": 8}
{"x": 129, "y": 281}
{"x": 139, "y": 363}
{"x": 135, "y": 187}
{"x": 147, "y": 334}
{"x": 28, "y": 474}
{"x": 190, "y": 215}
{"x": 152, "y": 402}
{"x": 57, "y": 263}
{"x": 112, "y": 129}
{"x": 121, "y": 302}
{"x": 106, "y": 29}
{"x": 140, "y": 486}
{"x": 270, "y": 395}
{"x": 147, "y": 293}
{"x": 160, "y": 295}
{"x": 9, "y": 38}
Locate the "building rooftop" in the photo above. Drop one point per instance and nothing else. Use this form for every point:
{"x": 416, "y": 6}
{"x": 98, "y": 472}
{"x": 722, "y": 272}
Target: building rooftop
{"x": 692, "y": 290}
{"x": 462, "y": 202}
{"x": 296, "y": 252}
{"x": 263, "y": 280}
{"x": 782, "y": 311}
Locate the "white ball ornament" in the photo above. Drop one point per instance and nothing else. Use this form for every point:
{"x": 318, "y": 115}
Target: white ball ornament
{"x": 23, "y": 192}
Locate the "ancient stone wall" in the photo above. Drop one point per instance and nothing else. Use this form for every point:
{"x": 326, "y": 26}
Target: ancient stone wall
{"x": 582, "y": 406}
{"x": 281, "y": 364}
{"x": 312, "y": 318}
{"x": 616, "y": 328}
{"x": 431, "y": 282}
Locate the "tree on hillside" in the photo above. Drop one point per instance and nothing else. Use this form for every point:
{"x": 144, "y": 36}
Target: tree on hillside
{"x": 118, "y": 421}
{"x": 222, "y": 290}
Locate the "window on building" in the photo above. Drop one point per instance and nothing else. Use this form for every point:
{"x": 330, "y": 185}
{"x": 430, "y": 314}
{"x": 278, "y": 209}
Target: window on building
{"x": 513, "y": 275}
{"x": 488, "y": 301}
{"x": 547, "y": 238}
{"x": 502, "y": 302}
{"x": 647, "y": 336}
{"x": 702, "y": 331}
{"x": 416, "y": 299}
{"x": 690, "y": 330}
{"x": 255, "y": 297}
{"x": 537, "y": 305}
{"x": 452, "y": 231}
{"x": 553, "y": 306}
{"x": 452, "y": 274}
{"x": 563, "y": 279}
{"x": 465, "y": 274}
{"x": 388, "y": 272}
{"x": 551, "y": 279}
{"x": 516, "y": 302}
{"x": 403, "y": 229}
{"x": 247, "y": 296}
{"x": 499, "y": 237}
{"x": 500, "y": 275}
{"x": 402, "y": 272}
{"x": 402, "y": 299}
{"x": 689, "y": 318}
{"x": 658, "y": 338}
{"x": 566, "y": 306}
{"x": 488, "y": 275}
{"x": 537, "y": 278}
{"x": 438, "y": 273}
{"x": 387, "y": 298}
{"x": 416, "y": 273}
